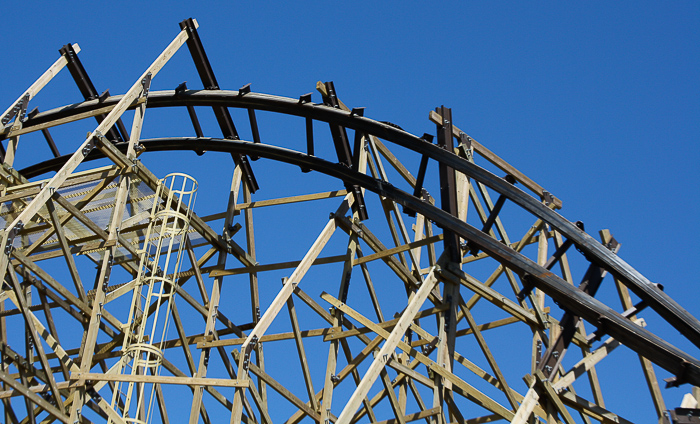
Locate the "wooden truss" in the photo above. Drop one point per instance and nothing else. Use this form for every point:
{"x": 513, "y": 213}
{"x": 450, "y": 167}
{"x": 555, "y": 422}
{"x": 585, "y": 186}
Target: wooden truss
{"x": 397, "y": 308}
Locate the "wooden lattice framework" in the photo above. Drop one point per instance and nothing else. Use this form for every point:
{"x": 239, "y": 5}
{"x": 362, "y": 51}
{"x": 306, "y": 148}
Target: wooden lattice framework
{"x": 402, "y": 269}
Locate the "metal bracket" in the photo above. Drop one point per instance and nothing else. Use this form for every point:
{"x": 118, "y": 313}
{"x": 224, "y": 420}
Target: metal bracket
{"x": 102, "y": 97}
{"x": 207, "y": 352}
{"x": 108, "y": 272}
{"x": 19, "y": 109}
{"x": 146, "y": 84}
{"x": 11, "y": 237}
{"x": 357, "y": 111}
{"x": 246, "y": 360}
{"x": 88, "y": 147}
{"x": 180, "y": 89}
{"x": 135, "y": 163}
{"x": 466, "y": 142}
{"x": 305, "y": 98}
{"x": 547, "y": 197}
{"x": 683, "y": 416}
{"x": 91, "y": 143}
{"x": 93, "y": 394}
{"x": 47, "y": 396}
{"x": 680, "y": 378}
{"x": 244, "y": 90}
{"x": 612, "y": 245}
{"x": 248, "y": 349}
{"x": 22, "y": 114}
{"x": 600, "y": 332}
{"x": 101, "y": 137}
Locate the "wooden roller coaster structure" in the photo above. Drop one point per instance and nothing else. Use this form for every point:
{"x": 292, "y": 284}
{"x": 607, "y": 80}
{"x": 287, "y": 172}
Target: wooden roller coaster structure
{"x": 385, "y": 322}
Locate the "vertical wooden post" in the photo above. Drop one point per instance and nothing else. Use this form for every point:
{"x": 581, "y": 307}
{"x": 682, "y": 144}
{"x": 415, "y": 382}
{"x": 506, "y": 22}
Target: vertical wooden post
{"x": 215, "y": 295}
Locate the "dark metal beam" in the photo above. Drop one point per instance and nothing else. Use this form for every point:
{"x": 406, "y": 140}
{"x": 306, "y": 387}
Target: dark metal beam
{"x": 342, "y": 149}
{"x": 89, "y": 92}
{"x": 223, "y": 116}
{"x": 448, "y": 182}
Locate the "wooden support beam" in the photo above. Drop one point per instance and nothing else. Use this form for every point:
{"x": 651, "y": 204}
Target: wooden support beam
{"x": 387, "y": 325}
{"x": 35, "y": 398}
{"x": 553, "y": 397}
{"x": 376, "y": 245}
{"x": 161, "y": 405}
{"x": 279, "y": 388}
{"x": 253, "y": 280}
{"x": 592, "y": 410}
{"x": 18, "y": 187}
{"x": 29, "y": 322}
{"x": 389, "y": 205}
{"x": 59, "y": 288}
{"x": 412, "y": 417}
{"x": 529, "y": 402}
{"x": 275, "y": 266}
{"x": 487, "y": 353}
{"x": 209, "y": 389}
{"x": 505, "y": 239}
{"x": 213, "y": 307}
{"x": 302, "y": 354}
{"x": 197, "y": 272}
{"x": 159, "y": 379}
{"x": 490, "y": 295}
{"x": 84, "y": 201}
{"x": 393, "y": 401}
{"x": 65, "y": 248}
{"x": 370, "y": 286}
{"x": 524, "y": 241}
{"x": 195, "y": 221}
{"x": 80, "y": 216}
{"x": 458, "y": 385}
{"x": 387, "y": 349}
{"x": 204, "y": 344}
{"x": 586, "y": 363}
{"x": 183, "y": 341}
{"x": 287, "y": 290}
{"x": 279, "y": 201}
{"x": 49, "y": 337}
{"x": 647, "y": 366}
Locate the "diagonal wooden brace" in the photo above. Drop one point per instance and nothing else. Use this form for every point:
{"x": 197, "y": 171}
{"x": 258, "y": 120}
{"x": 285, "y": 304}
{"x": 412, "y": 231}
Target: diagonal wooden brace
{"x": 387, "y": 349}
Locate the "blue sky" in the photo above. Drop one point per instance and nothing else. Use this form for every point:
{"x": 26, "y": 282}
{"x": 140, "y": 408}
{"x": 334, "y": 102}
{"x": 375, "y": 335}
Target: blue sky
{"x": 598, "y": 102}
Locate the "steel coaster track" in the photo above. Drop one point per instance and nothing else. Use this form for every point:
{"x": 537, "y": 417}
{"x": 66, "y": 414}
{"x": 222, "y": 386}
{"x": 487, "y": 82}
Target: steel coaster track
{"x": 684, "y": 367}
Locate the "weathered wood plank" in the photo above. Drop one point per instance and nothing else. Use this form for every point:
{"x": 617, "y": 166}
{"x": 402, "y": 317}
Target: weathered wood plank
{"x": 160, "y": 379}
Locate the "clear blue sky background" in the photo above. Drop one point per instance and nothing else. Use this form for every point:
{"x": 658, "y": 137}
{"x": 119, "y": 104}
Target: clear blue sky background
{"x": 598, "y": 102}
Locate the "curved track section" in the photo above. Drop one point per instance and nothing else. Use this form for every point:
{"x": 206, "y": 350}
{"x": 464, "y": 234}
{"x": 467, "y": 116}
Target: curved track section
{"x": 662, "y": 304}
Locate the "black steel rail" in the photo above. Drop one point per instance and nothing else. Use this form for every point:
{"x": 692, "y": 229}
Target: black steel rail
{"x": 671, "y": 311}
{"x": 567, "y": 296}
